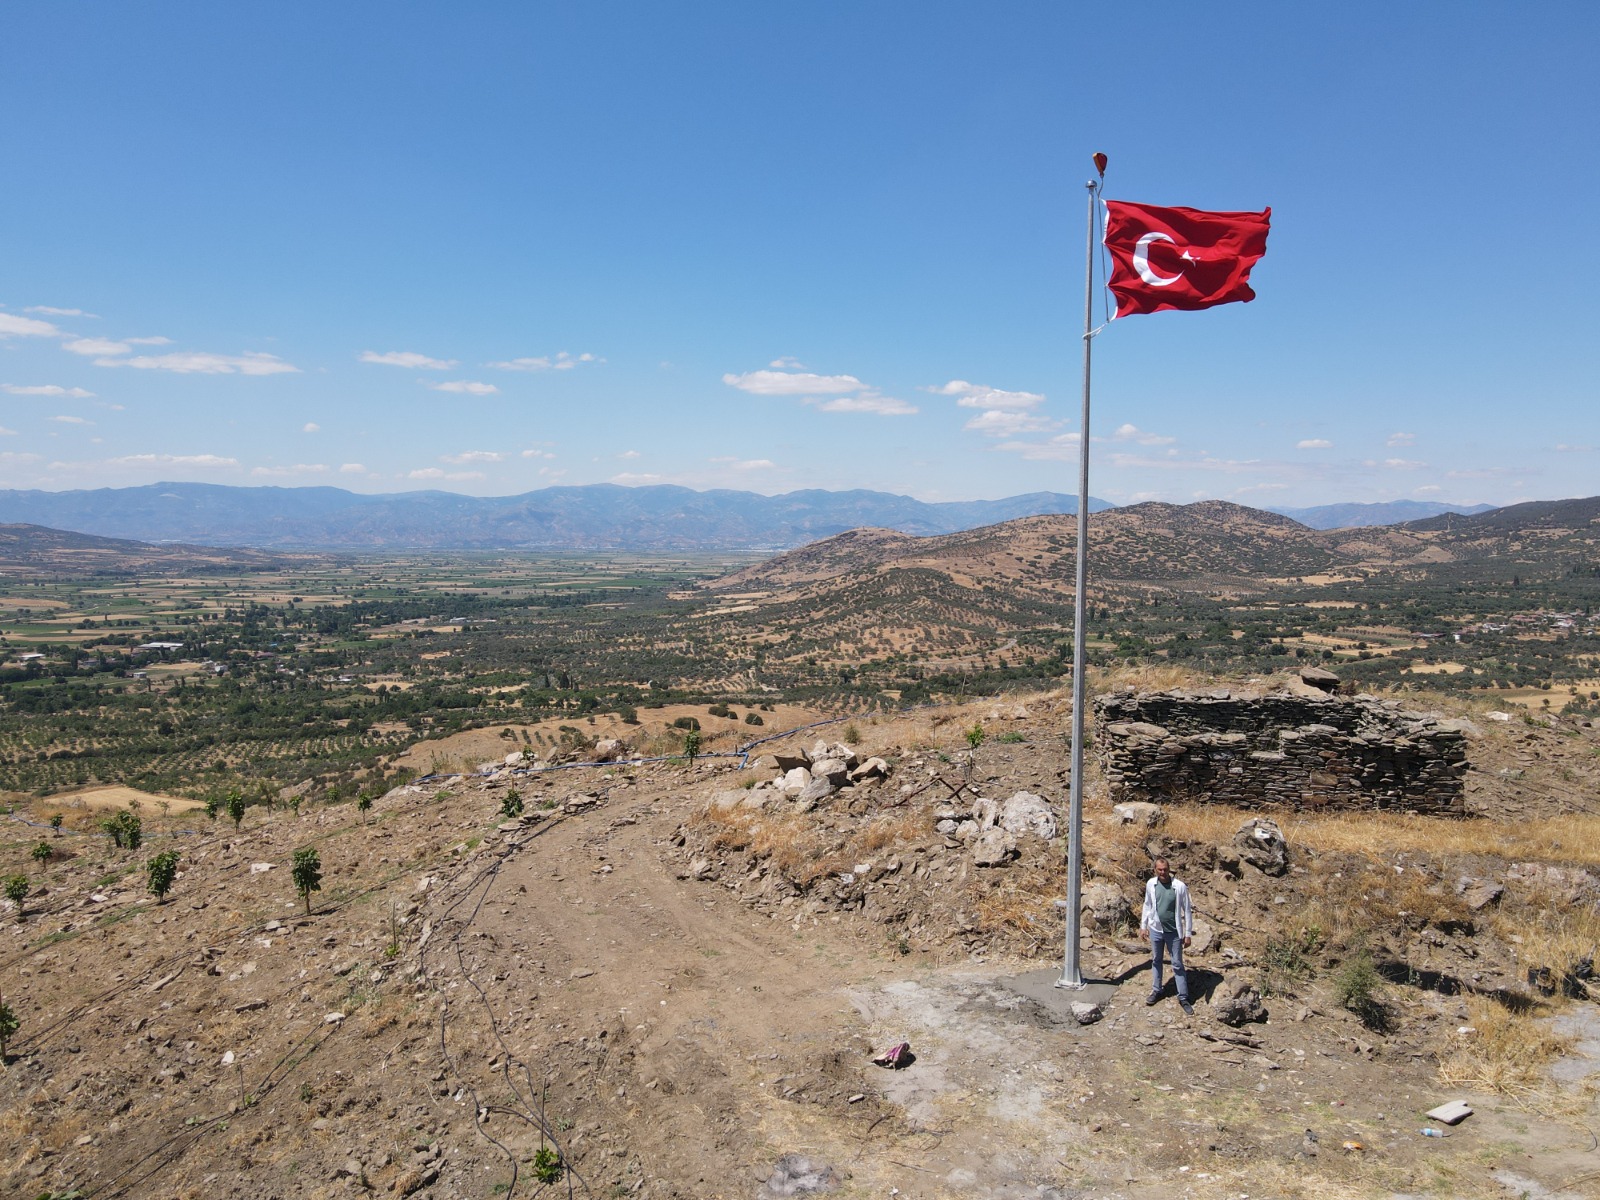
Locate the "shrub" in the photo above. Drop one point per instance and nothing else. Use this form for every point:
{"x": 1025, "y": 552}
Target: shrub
{"x": 852, "y": 734}
{"x": 55, "y": 822}
{"x": 125, "y": 829}
{"x": 975, "y": 736}
{"x": 1356, "y": 986}
{"x": 511, "y": 806}
{"x": 40, "y": 854}
{"x": 546, "y": 1165}
{"x": 213, "y": 802}
{"x": 686, "y": 723}
{"x": 751, "y": 718}
{"x": 307, "y": 874}
{"x": 363, "y": 803}
{"x": 17, "y": 888}
{"x": 8, "y": 1026}
{"x": 236, "y": 806}
{"x": 160, "y": 872}
{"x": 691, "y": 745}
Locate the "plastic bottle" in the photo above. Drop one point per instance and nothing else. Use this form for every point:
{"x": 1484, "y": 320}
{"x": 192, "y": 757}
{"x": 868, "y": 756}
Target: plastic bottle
{"x": 1432, "y": 1133}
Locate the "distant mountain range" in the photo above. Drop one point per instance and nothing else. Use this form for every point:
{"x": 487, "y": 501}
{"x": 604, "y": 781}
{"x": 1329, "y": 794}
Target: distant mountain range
{"x": 597, "y": 517}
{"x": 1353, "y": 516}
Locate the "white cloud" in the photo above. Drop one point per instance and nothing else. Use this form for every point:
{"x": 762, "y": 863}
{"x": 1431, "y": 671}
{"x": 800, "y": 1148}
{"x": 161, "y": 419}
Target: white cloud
{"x": 311, "y": 427}
{"x": 1428, "y": 489}
{"x": 44, "y": 389}
{"x": 14, "y": 326}
{"x": 1403, "y": 464}
{"x": 747, "y": 464}
{"x": 436, "y": 473}
{"x": 977, "y": 395}
{"x": 4, "y": 432}
{"x": 12, "y": 459}
{"x": 536, "y": 453}
{"x": 1314, "y": 444}
{"x": 297, "y": 469}
{"x": 799, "y": 383}
{"x": 629, "y": 454}
{"x": 998, "y": 422}
{"x": 1564, "y": 448}
{"x": 66, "y": 420}
{"x": 787, "y": 364}
{"x": 48, "y": 311}
{"x": 352, "y": 469}
{"x": 407, "y": 358}
{"x": 96, "y": 345}
{"x": 1261, "y": 487}
{"x": 465, "y": 387}
{"x": 1061, "y": 448}
{"x": 1482, "y": 473}
{"x": 473, "y": 456}
{"x": 1401, "y": 439}
{"x": 173, "y": 460}
{"x": 629, "y": 479}
{"x": 197, "y": 362}
{"x": 558, "y": 362}
{"x": 1132, "y": 433}
{"x": 867, "y": 402}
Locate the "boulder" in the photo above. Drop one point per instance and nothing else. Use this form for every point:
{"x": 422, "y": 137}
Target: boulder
{"x": 1027, "y": 813}
{"x": 1139, "y": 812}
{"x": 1478, "y": 894}
{"x": 985, "y": 812}
{"x": 872, "y": 768}
{"x": 514, "y": 759}
{"x": 1323, "y": 681}
{"x": 833, "y": 770}
{"x": 607, "y": 750}
{"x": 725, "y": 800}
{"x": 795, "y": 780}
{"x": 789, "y": 760}
{"x": 994, "y": 848}
{"x": 1085, "y": 1013}
{"x": 1105, "y": 908}
{"x": 834, "y": 750}
{"x": 1260, "y": 843}
{"x": 813, "y": 794}
{"x": 1236, "y": 1002}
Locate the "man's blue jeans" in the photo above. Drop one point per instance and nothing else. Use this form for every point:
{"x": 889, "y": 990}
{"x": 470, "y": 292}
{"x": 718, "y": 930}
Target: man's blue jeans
{"x": 1173, "y": 944}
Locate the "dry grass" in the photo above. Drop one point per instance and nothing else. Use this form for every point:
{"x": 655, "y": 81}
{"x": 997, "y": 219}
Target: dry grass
{"x": 1509, "y": 1054}
{"x": 1549, "y": 933}
{"x": 789, "y": 845}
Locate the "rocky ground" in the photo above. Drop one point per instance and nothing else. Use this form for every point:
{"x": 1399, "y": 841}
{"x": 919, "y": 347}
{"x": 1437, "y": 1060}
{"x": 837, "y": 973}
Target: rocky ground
{"x": 674, "y": 980}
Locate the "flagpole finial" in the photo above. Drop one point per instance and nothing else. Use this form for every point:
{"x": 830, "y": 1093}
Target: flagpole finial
{"x": 1100, "y": 161}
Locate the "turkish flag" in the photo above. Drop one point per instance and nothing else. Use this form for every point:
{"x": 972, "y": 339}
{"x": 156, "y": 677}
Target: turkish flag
{"x": 1181, "y": 258}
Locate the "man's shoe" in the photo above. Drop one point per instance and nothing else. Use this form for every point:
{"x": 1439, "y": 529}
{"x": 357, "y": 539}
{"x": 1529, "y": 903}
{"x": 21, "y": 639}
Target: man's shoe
{"x": 1188, "y": 1009}
{"x": 1151, "y": 999}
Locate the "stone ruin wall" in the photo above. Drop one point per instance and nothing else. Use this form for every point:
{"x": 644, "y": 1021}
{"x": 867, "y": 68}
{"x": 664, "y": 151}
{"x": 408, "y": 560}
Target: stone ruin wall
{"x": 1281, "y": 750}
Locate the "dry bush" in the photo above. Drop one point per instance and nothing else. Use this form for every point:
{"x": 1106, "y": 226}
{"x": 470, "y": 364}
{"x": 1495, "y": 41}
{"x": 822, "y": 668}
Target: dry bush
{"x": 1572, "y": 838}
{"x": 791, "y": 846}
{"x": 1509, "y": 1054}
{"x": 1550, "y": 934}
{"x": 893, "y": 829}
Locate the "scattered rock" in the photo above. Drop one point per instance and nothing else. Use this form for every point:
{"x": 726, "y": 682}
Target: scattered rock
{"x": 1260, "y": 843}
{"x": 994, "y": 848}
{"x": 1478, "y": 894}
{"x": 1236, "y": 1002}
{"x": 1026, "y": 813}
{"x": 1316, "y": 677}
{"x": 799, "y": 1175}
{"x": 1085, "y": 1013}
{"x": 1105, "y": 907}
{"x": 1139, "y": 812}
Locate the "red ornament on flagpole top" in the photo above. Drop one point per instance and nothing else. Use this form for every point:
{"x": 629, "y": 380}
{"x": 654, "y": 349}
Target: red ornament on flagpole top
{"x": 1100, "y": 161}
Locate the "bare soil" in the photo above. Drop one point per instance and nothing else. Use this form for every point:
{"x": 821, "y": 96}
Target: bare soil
{"x": 615, "y": 977}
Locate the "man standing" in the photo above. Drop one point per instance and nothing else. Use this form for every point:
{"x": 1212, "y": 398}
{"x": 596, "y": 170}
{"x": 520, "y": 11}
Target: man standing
{"x": 1169, "y": 921}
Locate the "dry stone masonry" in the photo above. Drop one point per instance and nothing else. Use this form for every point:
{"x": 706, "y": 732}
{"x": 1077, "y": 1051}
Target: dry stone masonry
{"x": 1280, "y": 749}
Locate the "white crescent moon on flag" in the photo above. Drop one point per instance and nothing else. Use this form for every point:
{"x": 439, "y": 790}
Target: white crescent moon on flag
{"x": 1141, "y": 261}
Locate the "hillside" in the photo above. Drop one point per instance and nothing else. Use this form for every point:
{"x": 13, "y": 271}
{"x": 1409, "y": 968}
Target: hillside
{"x": 39, "y": 549}
{"x": 678, "y": 994}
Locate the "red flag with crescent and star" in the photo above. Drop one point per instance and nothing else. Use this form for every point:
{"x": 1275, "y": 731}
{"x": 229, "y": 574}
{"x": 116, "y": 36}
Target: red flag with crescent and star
{"x": 1181, "y": 258}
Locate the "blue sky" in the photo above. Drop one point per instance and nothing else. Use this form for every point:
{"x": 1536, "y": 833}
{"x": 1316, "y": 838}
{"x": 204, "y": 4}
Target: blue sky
{"x": 491, "y": 247}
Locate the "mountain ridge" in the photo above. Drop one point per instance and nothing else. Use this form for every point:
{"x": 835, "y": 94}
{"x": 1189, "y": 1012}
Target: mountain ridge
{"x": 590, "y": 517}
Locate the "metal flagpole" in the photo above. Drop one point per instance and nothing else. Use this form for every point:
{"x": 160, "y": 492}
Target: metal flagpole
{"x": 1071, "y": 975}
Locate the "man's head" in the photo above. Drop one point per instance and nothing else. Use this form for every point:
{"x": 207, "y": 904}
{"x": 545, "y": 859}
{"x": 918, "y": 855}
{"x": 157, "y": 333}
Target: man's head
{"x": 1163, "y": 870}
